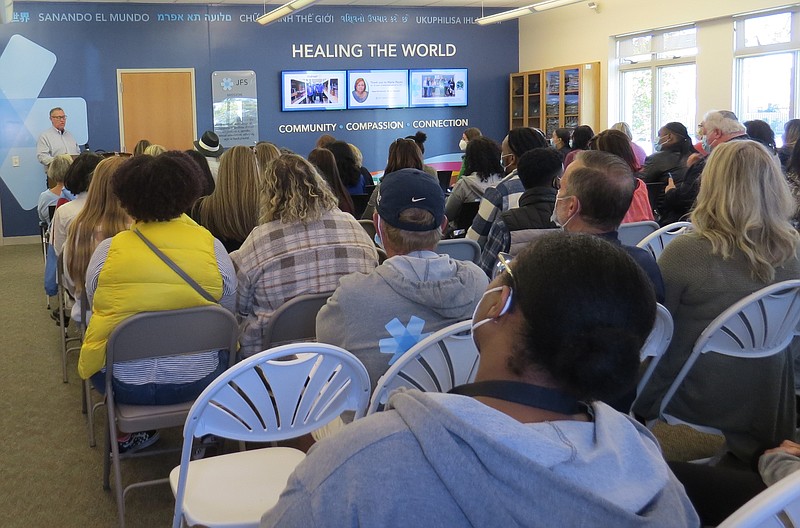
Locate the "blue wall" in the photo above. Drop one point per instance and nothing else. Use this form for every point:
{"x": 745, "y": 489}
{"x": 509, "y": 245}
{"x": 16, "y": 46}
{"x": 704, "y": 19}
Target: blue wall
{"x": 213, "y": 38}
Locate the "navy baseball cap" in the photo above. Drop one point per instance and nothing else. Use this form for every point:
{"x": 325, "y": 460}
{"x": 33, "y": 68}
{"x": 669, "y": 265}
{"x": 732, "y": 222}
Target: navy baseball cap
{"x": 406, "y": 189}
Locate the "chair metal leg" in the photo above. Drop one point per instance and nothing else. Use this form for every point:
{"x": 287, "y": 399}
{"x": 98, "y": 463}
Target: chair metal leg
{"x": 115, "y": 465}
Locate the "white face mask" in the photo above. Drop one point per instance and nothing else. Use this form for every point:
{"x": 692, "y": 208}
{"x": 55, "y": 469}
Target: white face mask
{"x": 554, "y": 216}
{"x": 462, "y": 144}
{"x": 477, "y": 325}
{"x": 377, "y": 238}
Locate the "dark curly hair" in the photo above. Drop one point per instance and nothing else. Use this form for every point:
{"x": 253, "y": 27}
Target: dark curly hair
{"x": 523, "y": 139}
{"x": 419, "y": 138}
{"x": 482, "y": 157}
{"x": 79, "y": 174}
{"x": 158, "y": 188}
{"x": 349, "y": 171}
{"x": 539, "y": 167}
{"x": 205, "y": 171}
{"x": 600, "y": 309}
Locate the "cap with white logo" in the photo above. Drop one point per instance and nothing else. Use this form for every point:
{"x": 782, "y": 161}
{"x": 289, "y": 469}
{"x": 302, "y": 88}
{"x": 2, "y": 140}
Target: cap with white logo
{"x": 406, "y": 189}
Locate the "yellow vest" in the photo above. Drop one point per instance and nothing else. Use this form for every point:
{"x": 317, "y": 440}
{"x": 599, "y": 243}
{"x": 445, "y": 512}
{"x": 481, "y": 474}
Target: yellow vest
{"x": 134, "y": 279}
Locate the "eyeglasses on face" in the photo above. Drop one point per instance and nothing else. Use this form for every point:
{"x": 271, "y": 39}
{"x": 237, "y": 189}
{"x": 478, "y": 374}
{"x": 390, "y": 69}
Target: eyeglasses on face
{"x": 59, "y": 117}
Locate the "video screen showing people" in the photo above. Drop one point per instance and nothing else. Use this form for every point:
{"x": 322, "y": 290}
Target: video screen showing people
{"x": 441, "y": 87}
{"x": 377, "y": 88}
{"x": 313, "y": 90}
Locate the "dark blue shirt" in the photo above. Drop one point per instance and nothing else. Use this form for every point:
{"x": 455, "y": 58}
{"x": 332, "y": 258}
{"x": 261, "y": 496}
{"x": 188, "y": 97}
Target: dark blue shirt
{"x": 644, "y": 259}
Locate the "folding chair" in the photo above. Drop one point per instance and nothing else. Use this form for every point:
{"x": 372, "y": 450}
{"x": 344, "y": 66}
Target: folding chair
{"x": 63, "y": 295}
{"x": 460, "y": 249}
{"x": 657, "y": 343}
{"x": 776, "y": 507}
{"x": 277, "y": 394}
{"x": 295, "y": 320}
{"x": 152, "y": 335}
{"x": 760, "y": 325}
{"x": 441, "y": 361}
{"x": 656, "y": 241}
{"x": 369, "y": 227}
{"x": 633, "y": 233}
{"x": 465, "y": 216}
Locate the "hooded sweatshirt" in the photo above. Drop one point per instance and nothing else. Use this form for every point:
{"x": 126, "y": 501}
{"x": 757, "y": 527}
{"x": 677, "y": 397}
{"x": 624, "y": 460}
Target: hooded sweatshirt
{"x": 468, "y": 189}
{"x": 379, "y": 316}
{"x": 446, "y": 460}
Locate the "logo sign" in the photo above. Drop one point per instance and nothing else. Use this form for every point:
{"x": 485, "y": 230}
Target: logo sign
{"x": 235, "y": 107}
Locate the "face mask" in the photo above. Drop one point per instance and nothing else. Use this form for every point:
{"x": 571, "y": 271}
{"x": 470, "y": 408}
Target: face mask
{"x": 377, "y": 237}
{"x": 706, "y": 144}
{"x": 503, "y": 161}
{"x": 552, "y": 143}
{"x": 554, "y": 216}
{"x": 462, "y": 144}
{"x": 477, "y": 325}
{"x": 657, "y": 148}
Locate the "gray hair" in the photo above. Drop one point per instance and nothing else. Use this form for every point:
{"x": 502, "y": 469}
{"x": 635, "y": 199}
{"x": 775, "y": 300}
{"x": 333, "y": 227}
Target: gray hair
{"x": 722, "y": 120}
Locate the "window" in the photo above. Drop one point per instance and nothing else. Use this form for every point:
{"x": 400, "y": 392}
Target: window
{"x": 767, "y": 63}
{"x": 657, "y": 81}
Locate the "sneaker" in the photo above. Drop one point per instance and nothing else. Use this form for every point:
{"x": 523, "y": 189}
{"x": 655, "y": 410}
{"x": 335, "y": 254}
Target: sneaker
{"x": 55, "y": 316}
{"x": 138, "y": 441}
{"x": 207, "y": 446}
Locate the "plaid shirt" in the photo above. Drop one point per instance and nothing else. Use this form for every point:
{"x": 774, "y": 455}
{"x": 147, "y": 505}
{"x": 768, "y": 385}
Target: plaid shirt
{"x": 280, "y": 261}
{"x": 495, "y": 200}
{"x": 499, "y": 240}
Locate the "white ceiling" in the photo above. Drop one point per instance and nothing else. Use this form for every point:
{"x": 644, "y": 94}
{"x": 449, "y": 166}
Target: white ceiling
{"x": 375, "y": 3}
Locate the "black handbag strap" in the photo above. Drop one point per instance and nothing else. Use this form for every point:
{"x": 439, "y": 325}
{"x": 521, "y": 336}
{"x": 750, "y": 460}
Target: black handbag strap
{"x": 169, "y": 262}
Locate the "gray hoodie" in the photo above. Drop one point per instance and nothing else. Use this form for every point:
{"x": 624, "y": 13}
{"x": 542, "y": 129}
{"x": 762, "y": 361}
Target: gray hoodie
{"x": 440, "y": 460}
{"x": 379, "y": 316}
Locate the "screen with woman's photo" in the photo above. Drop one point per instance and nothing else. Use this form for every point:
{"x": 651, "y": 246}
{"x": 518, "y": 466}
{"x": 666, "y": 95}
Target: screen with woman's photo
{"x": 438, "y": 87}
{"x": 377, "y": 88}
{"x": 313, "y": 90}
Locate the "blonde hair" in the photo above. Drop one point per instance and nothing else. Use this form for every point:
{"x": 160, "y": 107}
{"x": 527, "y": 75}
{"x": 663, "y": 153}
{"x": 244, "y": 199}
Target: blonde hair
{"x": 293, "y": 191}
{"x": 101, "y": 217}
{"x": 357, "y": 154}
{"x": 744, "y": 205}
{"x": 265, "y": 153}
{"x": 231, "y": 211}
{"x": 154, "y": 150}
{"x": 58, "y": 168}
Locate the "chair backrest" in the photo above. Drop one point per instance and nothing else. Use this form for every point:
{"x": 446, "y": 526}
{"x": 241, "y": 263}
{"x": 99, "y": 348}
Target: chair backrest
{"x": 467, "y": 213}
{"x": 633, "y": 233}
{"x": 368, "y": 226}
{"x": 460, "y": 249}
{"x": 295, "y": 320}
{"x": 360, "y": 202}
{"x": 441, "y": 361}
{"x": 281, "y": 393}
{"x": 760, "y": 325}
{"x": 776, "y": 507}
{"x": 444, "y": 177}
{"x": 656, "y": 241}
{"x": 656, "y": 344}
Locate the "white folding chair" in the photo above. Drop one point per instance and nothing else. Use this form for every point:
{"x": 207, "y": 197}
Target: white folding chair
{"x": 776, "y": 507}
{"x": 633, "y": 233}
{"x": 656, "y": 241}
{"x": 760, "y": 325}
{"x": 277, "y": 394}
{"x": 460, "y": 249}
{"x": 656, "y": 344}
{"x": 441, "y": 361}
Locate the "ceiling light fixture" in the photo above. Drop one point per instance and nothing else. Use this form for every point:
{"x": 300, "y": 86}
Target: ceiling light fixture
{"x": 286, "y": 9}
{"x": 522, "y": 11}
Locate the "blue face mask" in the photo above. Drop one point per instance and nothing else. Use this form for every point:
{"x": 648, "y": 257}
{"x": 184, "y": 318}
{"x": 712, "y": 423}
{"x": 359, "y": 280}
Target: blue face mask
{"x": 657, "y": 148}
{"x": 378, "y": 241}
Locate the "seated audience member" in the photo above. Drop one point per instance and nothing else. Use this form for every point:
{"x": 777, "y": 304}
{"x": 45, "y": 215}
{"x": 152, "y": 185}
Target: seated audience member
{"x": 414, "y": 293}
{"x": 539, "y": 170}
{"x": 232, "y": 210}
{"x": 742, "y": 241}
{"x": 760, "y": 131}
{"x": 403, "y": 154}
{"x": 595, "y": 200}
{"x": 791, "y": 133}
{"x": 419, "y": 138}
{"x": 154, "y": 150}
{"x": 77, "y": 181}
{"x": 638, "y": 151}
{"x": 304, "y": 244}
{"x": 140, "y": 147}
{"x": 265, "y": 153}
{"x": 366, "y": 176}
{"x": 506, "y": 194}
{"x": 468, "y": 135}
{"x": 208, "y": 183}
{"x": 102, "y": 217}
{"x": 560, "y": 141}
{"x": 669, "y": 160}
{"x": 324, "y": 140}
{"x": 125, "y": 277}
{"x": 530, "y": 442}
{"x": 581, "y": 136}
{"x": 483, "y": 170}
{"x": 349, "y": 168}
{"x": 325, "y": 163}
{"x": 208, "y": 145}
{"x": 718, "y": 127}
{"x": 56, "y": 171}
{"x": 792, "y": 170}
{"x": 617, "y": 143}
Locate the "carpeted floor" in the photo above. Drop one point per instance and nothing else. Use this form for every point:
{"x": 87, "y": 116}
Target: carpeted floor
{"x": 49, "y": 476}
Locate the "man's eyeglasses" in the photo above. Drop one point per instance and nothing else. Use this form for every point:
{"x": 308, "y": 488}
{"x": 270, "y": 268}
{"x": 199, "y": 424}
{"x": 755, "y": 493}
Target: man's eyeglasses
{"x": 58, "y": 117}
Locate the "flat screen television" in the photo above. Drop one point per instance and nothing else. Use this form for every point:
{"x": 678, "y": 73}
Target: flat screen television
{"x": 313, "y": 90}
{"x": 377, "y": 89}
{"x": 438, "y": 87}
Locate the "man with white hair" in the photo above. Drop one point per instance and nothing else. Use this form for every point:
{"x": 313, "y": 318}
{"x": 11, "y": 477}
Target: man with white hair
{"x": 717, "y": 127}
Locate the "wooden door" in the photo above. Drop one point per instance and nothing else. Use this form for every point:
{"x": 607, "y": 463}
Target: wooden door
{"x": 158, "y": 105}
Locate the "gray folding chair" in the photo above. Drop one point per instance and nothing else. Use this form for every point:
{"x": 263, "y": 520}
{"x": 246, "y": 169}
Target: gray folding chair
{"x": 460, "y": 249}
{"x": 295, "y": 320}
{"x": 657, "y": 343}
{"x": 150, "y": 335}
{"x": 368, "y": 226}
{"x": 633, "y": 233}
{"x": 66, "y": 340}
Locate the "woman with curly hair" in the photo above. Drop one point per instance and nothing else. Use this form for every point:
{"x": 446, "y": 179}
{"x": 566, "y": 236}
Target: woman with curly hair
{"x": 483, "y": 170}
{"x": 304, "y": 244}
{"x": 231, "y": 211}
{"x": 742, "y": 241}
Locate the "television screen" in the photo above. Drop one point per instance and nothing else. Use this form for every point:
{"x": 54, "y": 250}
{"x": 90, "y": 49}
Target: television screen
{"x": 377, "y": 88}
{"x": 438, "y": 87}
{"x": 313, "y": 90}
